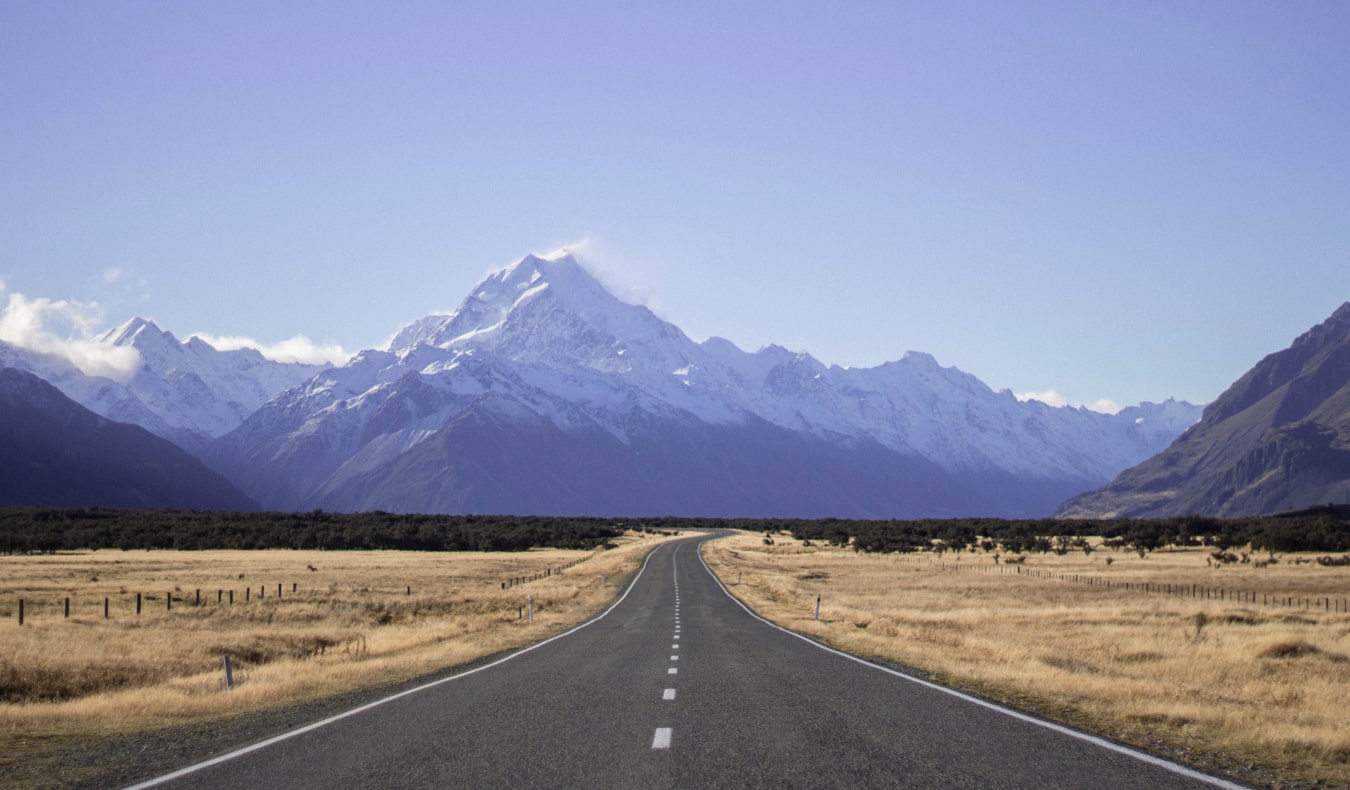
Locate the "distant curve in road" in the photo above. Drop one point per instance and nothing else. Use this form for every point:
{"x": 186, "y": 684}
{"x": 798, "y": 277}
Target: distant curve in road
{"x": 679, "y": 685}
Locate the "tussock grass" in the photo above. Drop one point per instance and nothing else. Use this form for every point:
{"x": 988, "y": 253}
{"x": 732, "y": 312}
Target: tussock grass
{"x": 351, "y": 623}
{"x": 1243, "y": 687}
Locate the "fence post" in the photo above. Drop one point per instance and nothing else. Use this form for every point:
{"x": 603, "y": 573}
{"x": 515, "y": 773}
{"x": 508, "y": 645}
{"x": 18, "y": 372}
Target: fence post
{"x": 105, "y": 608}
{"x": 817, "y": 606}
{"x": 229, "y": 674}
{"x": 278, "y": 589}
{"x": 199, "y": 598}
{"x": 20, "y": 611}
{"x": 138, "y": 603}
{"x": 168, "y": 601}
{"x": 531, "y": 610}
{"x": 67, "y": 608}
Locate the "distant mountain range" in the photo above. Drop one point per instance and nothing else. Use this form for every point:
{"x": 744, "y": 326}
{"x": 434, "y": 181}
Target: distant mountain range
{"x": 1278, "y": 439}
{"x": 544, "y": 394}
{"x": 53, "y": 451}
{"x": 187, "y": 392}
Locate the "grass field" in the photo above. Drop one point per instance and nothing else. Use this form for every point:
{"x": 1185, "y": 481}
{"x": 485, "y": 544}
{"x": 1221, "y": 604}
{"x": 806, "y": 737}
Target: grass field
{"x": 353, "y": 620}
{"x": 1260, "y": 690}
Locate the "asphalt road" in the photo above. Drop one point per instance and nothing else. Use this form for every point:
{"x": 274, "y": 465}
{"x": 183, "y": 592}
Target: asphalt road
{"x": 679, "y": 686}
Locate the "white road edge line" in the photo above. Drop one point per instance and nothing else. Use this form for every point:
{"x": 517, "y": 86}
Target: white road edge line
{"x": 1159, "y": 762}
{"x": 191, "y": 769}
{"x": 661, "y": 740}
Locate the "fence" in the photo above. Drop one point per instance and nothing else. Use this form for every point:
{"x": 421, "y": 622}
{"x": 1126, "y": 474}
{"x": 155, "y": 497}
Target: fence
{"x": 134, "y": 604}
{"x": 127, "y": 603}
{"x": 1183, "y": 590}
{"x": 516, "y": 581}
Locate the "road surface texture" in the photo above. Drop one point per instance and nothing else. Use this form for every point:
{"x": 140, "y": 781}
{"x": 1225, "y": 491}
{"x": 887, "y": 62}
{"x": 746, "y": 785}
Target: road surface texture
{"x": 678, "y": 685}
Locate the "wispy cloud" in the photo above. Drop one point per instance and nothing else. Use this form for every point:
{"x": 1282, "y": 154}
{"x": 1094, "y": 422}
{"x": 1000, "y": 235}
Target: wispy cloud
{"x": 67, "y": 329}
{"x": 579, "y": 249}
{"x": 1104, "y": 405}
{"x": 1053, "y": 398}
{"x": 611, "y": 270}
{"x": 296, "y": 349}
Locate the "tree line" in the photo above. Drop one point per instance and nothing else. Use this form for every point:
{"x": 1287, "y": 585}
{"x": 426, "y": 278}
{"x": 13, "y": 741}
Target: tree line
{"x": 26, "y": 530}
{"x": 1324, "y": 529}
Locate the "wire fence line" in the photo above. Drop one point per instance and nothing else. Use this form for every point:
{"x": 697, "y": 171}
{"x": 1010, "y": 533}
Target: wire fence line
{"x": 1331, "y": 604}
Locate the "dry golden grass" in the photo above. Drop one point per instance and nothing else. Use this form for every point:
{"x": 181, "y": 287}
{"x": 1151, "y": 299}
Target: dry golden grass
{"x": 1214, "y": 682}
{"x": 350, "y": 624}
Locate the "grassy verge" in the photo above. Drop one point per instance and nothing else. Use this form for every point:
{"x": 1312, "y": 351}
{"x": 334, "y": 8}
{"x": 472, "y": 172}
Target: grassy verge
{"x": 1259, "y": 691}
{"x": 344, "y": 621}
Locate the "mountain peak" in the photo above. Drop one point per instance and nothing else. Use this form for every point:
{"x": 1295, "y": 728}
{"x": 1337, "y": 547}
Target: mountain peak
{"x": 135, "y": 332}
{"x": 1336, "y": 329}
{"x": 559, "y": 271}
{"x": 541, "y": 285}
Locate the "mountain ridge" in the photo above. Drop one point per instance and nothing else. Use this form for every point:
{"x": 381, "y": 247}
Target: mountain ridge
{"x": 542, "y": 343}
{"x": 56, "y": 452}
{"x": 188, "y": 392}
{"x": 1277, "y": 439}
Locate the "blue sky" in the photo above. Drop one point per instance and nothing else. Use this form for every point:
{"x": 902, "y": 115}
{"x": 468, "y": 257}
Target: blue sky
{"x": 1127, "y": 201}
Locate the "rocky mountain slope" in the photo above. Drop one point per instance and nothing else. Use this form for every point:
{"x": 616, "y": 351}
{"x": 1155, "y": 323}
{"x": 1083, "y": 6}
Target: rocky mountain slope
{"x": 1277, "y": 439}
{"x": 54, "y": 451}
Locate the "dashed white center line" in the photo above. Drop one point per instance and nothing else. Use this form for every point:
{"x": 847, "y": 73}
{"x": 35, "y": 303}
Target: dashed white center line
{"x": 673, "y": 671}
{"x": 674, "y": 658}
{"x": 675, "y": 646}
{"x": 669, "y": 694}
{"x": 662, "y": 738}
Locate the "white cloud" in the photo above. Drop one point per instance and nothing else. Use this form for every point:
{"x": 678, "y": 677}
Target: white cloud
{"x": 67, "y": 329}
{"x": 1104, "y": 405}
{"x": 614, "y": 272}
{"x": 112, "y": 275}
{"x": 579, "y": 249}
{"x": 1048, "y": 397}
{"x": 296, "y": 349}
{"x": 1053, "y": 398}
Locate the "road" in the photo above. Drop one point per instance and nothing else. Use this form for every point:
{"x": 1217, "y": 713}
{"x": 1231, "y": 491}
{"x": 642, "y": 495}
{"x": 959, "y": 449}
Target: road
{"x": 678, "y": 685}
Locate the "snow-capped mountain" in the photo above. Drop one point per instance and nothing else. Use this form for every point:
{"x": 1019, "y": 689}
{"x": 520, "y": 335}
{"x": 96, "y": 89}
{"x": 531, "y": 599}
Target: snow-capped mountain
{"x": 187, "y": 392}
{"x": 545, "y": 393}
